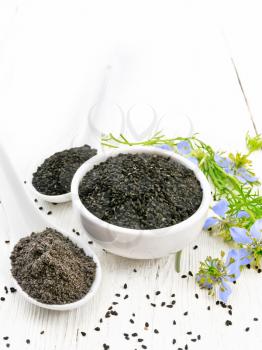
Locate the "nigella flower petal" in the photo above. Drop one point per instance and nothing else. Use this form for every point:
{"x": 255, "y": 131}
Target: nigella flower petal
{"x": 165, "y": 147}
{"x": 224, "y": 291}
{"x": 256, "y": 229}
{"x": 184, "y": 147}
{"x": 193, "y": 160}
{"x": 221, "y": 207}
{"x": 244, "y": 256}
{"x": 210, "y": 222}
{"x": 246, "y": 175}
{"x": 239, "y": 235}
{"x": 242, "y": 214}
{"x": 223, "y": 162}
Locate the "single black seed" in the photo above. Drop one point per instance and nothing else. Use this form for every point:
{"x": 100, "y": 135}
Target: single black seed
{"x": 217, "y": 302}
{"x": 247, "y": 329}
{"x": 25, "y": 182}
{"x": 152, "y": 304}
{"x": 173, "y": 302}
{"x": 228, "y": 323}
{"x": 147, "y": 296}
{"x": 7, "y": 242}
{"x": 74, "y": 230}
{"x": 173, "y": 295}
{"x": 133, "y": 315}
{"x": 110, "y": 308}
{"x": 83, "y": 334}
{"x": 117, "y": 295}
{"x": 189, "y": 333}
{"x": 255, "y": 319}
{"x": 90, "y": 242}
{"x": 134, "y": 334}
{"x": 40, "y": 208}
{"x": 27, "y": 341}
{"x": 173, "y": 341}
{"x": 208, "y": 308}
{"x": 199, "y": 337}
{"x": 229, "y": 306}
{"x": 134, "y": 270}
{"x": 77, "y": 233}
{"x": 156, "y": 331}
{"x": 195, "y": 247}
{"x": 125, "y": 334}
{"x": 2, "y": 298}
{"x": 193, "y": 340}
{"x": 169, "y": 306}
{"x": 163, "y": 303}
{"x": 184, "y": 276}
{"x": 6, "y": 290}
{"x": 179, "y": 349}
{"x": 49, "y": 212}
{"x": 144, "y": 346}
{"x": 140, "y": 340}
{"x": 190, "y": 273}
{"x": 186, "y": 347}
{"x": 248, "y": 266}
{"x": 6, "y": 338}
{"x": 7, "y": 345}
{"x": 97, "y": 329}
{"x": 42, "y": 332}
{"x": 196, "y": 295}
{"x": 174, "y": 322}
{"x": 125, "y": 286}
{"x": 234, "y": 282}
{"x": 131, "y": 321}
{"x": 186, "y": 313}
{"x": 158, "y": 292}
{"x": 126, "y": 296}
{"x": 114, "y": 302}
{"x": 230, "y": 312}
{"x": 101, "y": 320}
{"x": 146, "y": 324}
{"x": 35, "y": 200}
{"x": 259, "y": 271}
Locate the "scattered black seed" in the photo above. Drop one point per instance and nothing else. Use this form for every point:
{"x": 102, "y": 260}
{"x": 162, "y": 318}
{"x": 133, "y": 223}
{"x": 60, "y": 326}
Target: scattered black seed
{"x": 195, "y": 247}
{"x": 247, "y": 329}
{"x": 6, "y": 338}
{"x": 97, "y": 329}
{"x": 196, "y": 296}
{"x": 125, "y": 286}
{"x": 193, "y": 340}
{"x": 134, "y": 334}
{"x": 134, "y": 270}
{"x": 27, "y": 341}
{"x": 40, "y": 208}
{"x": 140, "y": 340}
{"x": 42, "y": 332}
{"x": 144, "y": 346}
{"x": 184, "y": 276}
{"x": 7, "y": 242}
{"x": 259, "y": 271}
{"x": 190, "y": 273}
{"x": 248, "y": 266}
{"x": 189, "y": 333}
{"x": 228, "y": 323}
{"x": 101, "y": 320}
{"x": 110, "y": 308}
{"x": 133, "y": 315}
{"x": 208, "y": 308}
{"x": 173, "y": 302}
{"x": 169, "y": 306}
{"x": 12, "y": 290}
{"x": 35, "y": 200}
{"x": 146, "y": 324}
{"x": 199, "y": 337}
{"x": 163, "y": 303}
{"x": 174, "y": 322}
{"x": 77, "y": 233}
{"x": 173, "y": 295}
{"x": 54, "y": 175}
{"x": 49, "y": 212}
{"x": 255, "y": 319}
{"x": 106, "y": 347}
{"x": 117, "y": 295}
{"x": 131, "y": 321}
{"x": 158, "y": 292}
{"x": 6, "y": 290}
{"x": 234, "y": 282}
{"x": 229, "y": 307}
{"x": 126, "y": 296}
{"x": 2, "y": 298}
{"x": 90, "y": 242}
{"x": 186, "y": 313}
{"x": 230, "y": 312}
{"x": 223, "y": 304}
{"x": 74, "y": 230}
{"x": 179, "y": 349}
{"x": 152, "y": 304}
{"x": 7, "y": 345}
{"x": 156, "y": 331}
{"x": 114, "y": 302}
{"x": 83, "y": 334}
{"x": 51, "y": 268}
{"x": 173, "y": 341}
{"x": 141, "y": 191}
{"x": 186, "y": 347}
{"x": 25, "y": 182}
{"x": 148, "y": 296}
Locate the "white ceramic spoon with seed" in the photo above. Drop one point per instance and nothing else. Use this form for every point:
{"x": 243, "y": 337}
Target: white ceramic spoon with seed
{"x": 23, "y": 218}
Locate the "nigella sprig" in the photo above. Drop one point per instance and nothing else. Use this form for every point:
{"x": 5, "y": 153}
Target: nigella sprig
{"x": 254, "y": 143}
{"x": 221, "y": 221}
{"x": 250, "y": 240}
{"x": 217, "y": 274}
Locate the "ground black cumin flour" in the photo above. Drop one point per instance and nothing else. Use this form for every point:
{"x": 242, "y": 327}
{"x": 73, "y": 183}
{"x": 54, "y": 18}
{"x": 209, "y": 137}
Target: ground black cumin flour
{"x": 141, "y": 191}
{"x": 54, "y": 176}
{"x": 51, "y": 268}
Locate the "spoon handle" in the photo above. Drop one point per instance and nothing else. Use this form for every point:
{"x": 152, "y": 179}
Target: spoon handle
{"x": 22, "y": 216}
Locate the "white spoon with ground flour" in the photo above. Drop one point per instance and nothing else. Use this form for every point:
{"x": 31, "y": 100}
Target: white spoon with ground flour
{"x": 51, "y": 247}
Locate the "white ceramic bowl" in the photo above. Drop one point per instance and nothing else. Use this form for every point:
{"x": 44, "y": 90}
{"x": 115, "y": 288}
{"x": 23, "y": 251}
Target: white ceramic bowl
{"x": 141, "y": 244}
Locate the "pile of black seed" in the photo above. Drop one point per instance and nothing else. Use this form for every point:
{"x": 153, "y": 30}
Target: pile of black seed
{"x": 54, "y": 176}
{"x": 52, "y": 269}
{"x": 141, "y": 191}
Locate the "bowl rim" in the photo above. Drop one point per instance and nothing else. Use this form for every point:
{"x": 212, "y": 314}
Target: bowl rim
{"x": 103, "y": 156}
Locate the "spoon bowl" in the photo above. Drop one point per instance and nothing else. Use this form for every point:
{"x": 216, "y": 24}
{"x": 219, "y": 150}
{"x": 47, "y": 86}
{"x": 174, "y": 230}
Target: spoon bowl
{"x": 24, "y": 218}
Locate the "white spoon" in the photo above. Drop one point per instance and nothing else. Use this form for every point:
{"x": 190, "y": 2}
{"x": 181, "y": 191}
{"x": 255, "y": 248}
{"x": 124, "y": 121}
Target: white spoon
{"x": 23, "y": 218}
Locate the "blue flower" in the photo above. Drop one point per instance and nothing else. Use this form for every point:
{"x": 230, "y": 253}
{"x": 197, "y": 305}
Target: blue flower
{"x": 230, "y": 167}
{"x": 165, "y": 147}
{"x": 184, "y": 149}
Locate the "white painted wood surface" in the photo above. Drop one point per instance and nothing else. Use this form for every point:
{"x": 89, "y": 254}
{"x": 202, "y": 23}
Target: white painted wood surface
{"x": 52, "y": 55}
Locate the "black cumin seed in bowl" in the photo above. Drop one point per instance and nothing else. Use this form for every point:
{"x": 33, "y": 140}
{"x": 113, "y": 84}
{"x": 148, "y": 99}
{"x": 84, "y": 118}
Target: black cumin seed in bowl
{"x": 141, "y": 191}
{"x": 51, "y": 269}
{"x": 54, "y": 176}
